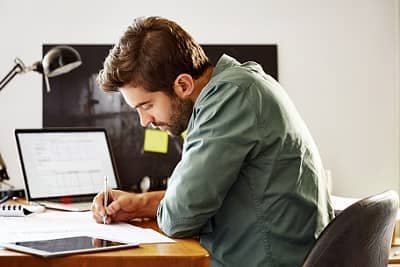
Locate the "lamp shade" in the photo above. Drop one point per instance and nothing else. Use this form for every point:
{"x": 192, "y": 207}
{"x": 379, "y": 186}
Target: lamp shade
{"x": 60, "y": 60}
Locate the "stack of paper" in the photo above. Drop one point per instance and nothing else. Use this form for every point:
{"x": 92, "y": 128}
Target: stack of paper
{"x": 49, "y": 225}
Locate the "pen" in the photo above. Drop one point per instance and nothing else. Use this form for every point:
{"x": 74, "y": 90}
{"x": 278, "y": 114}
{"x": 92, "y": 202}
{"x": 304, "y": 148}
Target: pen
{"x": 105, "y": 203}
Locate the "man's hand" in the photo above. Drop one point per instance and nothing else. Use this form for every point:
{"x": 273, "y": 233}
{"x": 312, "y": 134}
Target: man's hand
{"x": 126, "y": 206}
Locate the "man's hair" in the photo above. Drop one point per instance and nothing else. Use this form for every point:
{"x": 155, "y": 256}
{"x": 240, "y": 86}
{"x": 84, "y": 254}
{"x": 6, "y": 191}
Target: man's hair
{"x": 152, "y": 52}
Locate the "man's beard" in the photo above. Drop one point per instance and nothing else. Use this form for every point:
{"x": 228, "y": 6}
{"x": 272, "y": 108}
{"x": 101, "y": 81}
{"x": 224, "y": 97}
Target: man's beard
{"x": 180, "y": 116}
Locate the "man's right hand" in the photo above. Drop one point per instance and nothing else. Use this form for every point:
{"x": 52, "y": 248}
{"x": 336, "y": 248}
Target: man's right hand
{"x": 125, "y": 206}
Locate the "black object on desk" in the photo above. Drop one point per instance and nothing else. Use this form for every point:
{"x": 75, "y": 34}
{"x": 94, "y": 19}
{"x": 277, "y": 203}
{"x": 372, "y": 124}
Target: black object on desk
{"x": 66, "y": 246}
{"x": 3, "y": 170}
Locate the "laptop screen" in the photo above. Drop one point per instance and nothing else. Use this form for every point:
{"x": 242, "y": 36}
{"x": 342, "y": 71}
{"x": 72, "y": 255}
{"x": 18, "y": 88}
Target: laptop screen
{"x": 65, "y": 162}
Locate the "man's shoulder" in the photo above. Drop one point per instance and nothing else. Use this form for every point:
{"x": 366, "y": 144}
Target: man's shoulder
{"x": 232, "y": 80}
{"x": 239, "y": 75}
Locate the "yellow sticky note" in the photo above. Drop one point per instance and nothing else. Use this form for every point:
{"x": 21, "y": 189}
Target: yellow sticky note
{"x": 183, "y": 134}
{"x": 155, "y": 141}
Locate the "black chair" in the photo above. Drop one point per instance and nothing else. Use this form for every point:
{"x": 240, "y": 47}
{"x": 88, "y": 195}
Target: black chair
{"x": 360, "y": 236}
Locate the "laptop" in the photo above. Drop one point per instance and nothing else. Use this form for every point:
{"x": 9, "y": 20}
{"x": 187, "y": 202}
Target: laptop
{"x": 64, "y": 168}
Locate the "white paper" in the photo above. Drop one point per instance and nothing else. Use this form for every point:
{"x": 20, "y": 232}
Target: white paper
{"x": 49, "y": 225}
{"x": 340, "y": 203}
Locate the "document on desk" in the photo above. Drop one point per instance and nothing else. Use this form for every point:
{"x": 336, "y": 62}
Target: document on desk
{"x": 49, "y": 225}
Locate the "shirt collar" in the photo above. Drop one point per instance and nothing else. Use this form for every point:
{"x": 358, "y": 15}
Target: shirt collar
{"x": 224, "y": 62}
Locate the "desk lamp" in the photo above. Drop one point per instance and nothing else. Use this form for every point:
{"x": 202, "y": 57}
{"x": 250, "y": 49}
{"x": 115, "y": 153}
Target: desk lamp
{"x": 57, "y": 61}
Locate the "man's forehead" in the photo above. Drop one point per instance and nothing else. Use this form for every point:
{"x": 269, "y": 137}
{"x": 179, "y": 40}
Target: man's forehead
{"x": 134, "y": 96}
{"x": 138, "y": 96}
{"x": 138, "y": 105}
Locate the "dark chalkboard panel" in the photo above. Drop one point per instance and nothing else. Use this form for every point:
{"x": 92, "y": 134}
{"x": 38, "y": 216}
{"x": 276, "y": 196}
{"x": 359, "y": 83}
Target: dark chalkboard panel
{"x": 76, "y": 100}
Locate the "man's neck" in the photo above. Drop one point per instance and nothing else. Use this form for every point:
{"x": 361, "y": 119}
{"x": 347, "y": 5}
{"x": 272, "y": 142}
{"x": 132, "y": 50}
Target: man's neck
{"x": 201, "y": 82}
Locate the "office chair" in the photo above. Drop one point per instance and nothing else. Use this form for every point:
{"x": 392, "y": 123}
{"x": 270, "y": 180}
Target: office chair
{"x": 360, "y": 236}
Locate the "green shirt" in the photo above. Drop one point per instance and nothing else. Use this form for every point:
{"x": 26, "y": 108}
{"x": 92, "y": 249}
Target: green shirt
{"x": 250, "y": 182}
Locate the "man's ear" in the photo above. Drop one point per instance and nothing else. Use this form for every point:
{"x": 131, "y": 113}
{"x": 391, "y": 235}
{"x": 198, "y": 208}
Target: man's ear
{"x": 184, "y": 86}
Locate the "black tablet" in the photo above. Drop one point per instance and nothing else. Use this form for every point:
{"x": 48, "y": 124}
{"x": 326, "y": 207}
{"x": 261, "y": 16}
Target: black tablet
{"x": 66, "y": 246}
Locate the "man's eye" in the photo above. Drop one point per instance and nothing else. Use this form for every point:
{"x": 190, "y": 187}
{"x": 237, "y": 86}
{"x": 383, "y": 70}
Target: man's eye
{"x": 147, "y": 106}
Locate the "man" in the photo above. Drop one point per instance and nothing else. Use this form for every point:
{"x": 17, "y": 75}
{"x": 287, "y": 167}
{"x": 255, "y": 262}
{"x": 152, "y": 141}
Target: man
{"x": 250, "y": 182}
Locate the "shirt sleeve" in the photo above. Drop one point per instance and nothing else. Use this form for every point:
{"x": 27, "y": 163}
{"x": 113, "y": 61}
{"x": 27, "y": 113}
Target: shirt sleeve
{"x": 221, "y": 133}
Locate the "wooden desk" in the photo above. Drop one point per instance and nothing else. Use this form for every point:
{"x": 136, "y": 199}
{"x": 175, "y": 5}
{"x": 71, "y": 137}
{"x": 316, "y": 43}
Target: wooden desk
{"x": 183, "y": 253}
{"x": 394, "y": 255}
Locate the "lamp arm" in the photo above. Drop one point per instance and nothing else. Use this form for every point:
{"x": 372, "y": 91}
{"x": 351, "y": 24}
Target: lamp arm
{"x": 18, "y": 67}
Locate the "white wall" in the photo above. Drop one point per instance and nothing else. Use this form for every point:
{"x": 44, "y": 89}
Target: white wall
{"x": 338, "y": 60}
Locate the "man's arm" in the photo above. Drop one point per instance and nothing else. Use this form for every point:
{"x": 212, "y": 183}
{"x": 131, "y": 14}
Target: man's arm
{"x": 126, "y": 206}
{"x": 215, "y": 148}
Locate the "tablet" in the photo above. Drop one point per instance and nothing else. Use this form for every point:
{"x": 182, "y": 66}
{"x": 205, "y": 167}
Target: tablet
{"x": 66, "y": 246}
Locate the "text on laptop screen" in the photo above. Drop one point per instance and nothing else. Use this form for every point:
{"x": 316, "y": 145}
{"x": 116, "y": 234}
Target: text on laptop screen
{"x": 65, "y": 163}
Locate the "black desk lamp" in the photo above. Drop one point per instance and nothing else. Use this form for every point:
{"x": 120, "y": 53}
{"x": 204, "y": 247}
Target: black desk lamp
{"x": 57, "y": 61}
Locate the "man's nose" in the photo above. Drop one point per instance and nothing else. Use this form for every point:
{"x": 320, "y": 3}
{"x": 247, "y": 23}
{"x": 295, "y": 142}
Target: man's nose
{"x": 145, "y": 119}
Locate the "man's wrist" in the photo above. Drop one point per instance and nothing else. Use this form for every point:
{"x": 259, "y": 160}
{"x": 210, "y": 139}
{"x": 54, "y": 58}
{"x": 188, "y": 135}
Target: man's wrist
{"x": 149, "y": 202}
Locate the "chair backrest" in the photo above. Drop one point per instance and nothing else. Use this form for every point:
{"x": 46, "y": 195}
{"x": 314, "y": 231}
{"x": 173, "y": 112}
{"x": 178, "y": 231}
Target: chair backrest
{"x": 360, "y": 236}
